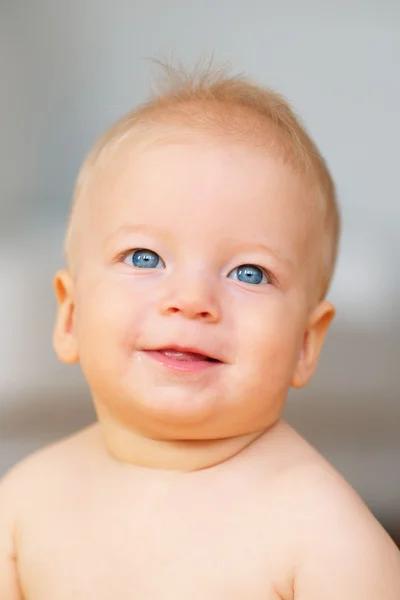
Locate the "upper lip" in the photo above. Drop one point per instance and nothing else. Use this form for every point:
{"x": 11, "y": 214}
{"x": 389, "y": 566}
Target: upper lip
{"x": 190, "y": 349}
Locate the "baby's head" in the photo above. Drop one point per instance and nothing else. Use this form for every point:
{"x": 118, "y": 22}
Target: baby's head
{"x": 201, "y": 243}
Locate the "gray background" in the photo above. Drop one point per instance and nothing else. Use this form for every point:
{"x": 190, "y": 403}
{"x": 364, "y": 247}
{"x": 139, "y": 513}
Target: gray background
{"x": 68, "y": 69}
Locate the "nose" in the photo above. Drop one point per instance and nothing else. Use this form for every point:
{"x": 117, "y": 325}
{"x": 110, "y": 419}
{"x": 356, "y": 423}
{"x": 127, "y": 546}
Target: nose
{"x": 191, "y": 296}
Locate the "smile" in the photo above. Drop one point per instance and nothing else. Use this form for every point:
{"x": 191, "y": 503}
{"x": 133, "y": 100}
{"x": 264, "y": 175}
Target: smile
{"x": 182, "y": 359}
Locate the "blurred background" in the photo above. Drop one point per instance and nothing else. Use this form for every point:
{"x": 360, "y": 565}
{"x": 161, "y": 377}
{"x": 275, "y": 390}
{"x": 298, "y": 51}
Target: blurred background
{"x": 68, "y": 69}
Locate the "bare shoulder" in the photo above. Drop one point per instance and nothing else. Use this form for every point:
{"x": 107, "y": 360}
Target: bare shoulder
{"x": 33, "y": 487}
{"x": 48, "y": 467}
{"x": 342, "y": 551}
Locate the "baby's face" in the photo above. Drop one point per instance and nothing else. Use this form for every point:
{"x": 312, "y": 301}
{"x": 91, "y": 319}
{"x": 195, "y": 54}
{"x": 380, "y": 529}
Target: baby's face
{"x": 195, "y": 289}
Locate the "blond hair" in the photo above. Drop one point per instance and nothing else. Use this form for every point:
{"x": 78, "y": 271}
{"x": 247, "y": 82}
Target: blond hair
{"x": 211, "y": 101}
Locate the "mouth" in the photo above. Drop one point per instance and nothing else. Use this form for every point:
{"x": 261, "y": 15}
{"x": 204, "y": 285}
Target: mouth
{"x": 182, "y": 358}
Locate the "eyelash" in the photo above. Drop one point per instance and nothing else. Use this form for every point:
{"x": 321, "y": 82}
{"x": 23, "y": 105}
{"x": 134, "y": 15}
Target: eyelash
{"x": 270, "y": 276}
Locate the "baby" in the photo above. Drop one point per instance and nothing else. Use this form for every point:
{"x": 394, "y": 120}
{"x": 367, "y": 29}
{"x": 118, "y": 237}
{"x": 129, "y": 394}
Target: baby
{"x": 201, "y": 243}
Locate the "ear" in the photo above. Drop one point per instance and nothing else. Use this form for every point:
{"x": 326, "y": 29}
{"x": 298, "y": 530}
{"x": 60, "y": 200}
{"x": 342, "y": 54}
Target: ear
{"x": 313, "y": 340}
{"x": 64, "y": 340}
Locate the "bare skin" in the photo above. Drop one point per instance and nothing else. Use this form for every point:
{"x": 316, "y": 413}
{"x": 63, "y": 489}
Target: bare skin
{"x": 190, "y": 486}
{"x": 254, "y": 526}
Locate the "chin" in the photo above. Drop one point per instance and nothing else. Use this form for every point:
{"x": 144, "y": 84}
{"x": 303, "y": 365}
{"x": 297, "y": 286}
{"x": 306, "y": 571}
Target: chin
{"x": 170, "y": 412}
{"x": 178, "y": 407}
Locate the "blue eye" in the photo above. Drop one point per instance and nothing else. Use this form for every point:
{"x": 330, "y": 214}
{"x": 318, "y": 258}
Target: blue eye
{"x": 249, "y": 274}
{"x": 144, "y": 259}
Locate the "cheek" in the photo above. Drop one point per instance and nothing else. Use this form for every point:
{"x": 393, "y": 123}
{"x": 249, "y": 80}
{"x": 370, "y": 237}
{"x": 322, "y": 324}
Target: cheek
{"x": 108, "y": 318}
{"x": 269, "y": 338}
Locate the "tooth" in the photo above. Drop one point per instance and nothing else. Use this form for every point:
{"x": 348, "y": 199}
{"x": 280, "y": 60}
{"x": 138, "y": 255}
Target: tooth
{"x": 185, "y": 356}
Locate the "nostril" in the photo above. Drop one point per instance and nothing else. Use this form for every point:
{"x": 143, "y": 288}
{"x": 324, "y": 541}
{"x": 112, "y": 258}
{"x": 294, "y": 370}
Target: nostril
{"x": 189, "y": 309}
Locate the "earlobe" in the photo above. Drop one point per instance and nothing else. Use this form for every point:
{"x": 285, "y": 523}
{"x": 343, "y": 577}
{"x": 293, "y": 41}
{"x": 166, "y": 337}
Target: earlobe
{"x": 313, "y": 341}
{"x": 64, "y": 340}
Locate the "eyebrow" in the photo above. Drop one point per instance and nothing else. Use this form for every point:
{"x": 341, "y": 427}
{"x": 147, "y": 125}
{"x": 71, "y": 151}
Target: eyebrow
{"x": 136, "y": 228}
{"x": 259, "y": 247}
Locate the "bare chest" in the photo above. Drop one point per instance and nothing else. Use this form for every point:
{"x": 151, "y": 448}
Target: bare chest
{"x": 158, "y": 546}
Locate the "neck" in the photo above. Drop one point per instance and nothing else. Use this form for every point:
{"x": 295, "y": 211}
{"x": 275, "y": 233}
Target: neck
{"x": 131, "y": 447}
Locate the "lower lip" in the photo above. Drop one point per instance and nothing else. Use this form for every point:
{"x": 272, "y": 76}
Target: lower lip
{"x": 191, "y": 366}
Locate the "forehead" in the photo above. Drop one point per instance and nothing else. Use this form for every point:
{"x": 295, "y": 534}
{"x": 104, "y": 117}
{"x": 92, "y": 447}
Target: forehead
{"x": 192, "y": 179}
